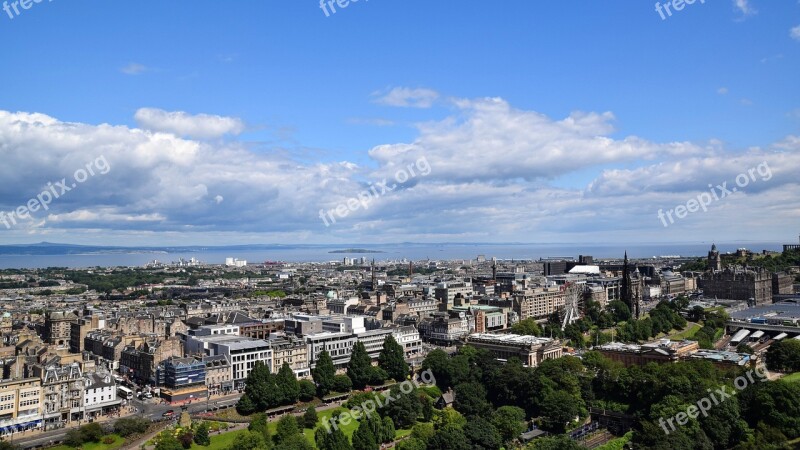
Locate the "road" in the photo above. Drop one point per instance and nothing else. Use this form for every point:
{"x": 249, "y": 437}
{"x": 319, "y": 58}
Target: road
{"x": 149, "y": 409}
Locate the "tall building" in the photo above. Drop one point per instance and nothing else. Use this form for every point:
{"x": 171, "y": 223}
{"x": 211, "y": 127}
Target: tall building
{"x": 714, "y": 260}
{"x": 738, "y": 283}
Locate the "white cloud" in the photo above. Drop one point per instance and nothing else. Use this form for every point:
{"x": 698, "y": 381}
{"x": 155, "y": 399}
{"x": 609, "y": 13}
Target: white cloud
{"x": 795, "y": 33}
{"x": 722, "y": 91}
{"x": 180, "y": 123}
{"x": 491, "y": 175}
{"x": 744, "y": 7}
{"x": 133, "y": 69}
{"x": 407, "y": 97}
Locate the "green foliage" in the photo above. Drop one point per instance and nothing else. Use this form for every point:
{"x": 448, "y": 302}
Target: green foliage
{"x": 554, "y": 443}
{"x": 324, "y": 373}
{"x": 405, "y": 408}
{"x": 307, "y": 390}
{"x": 342, "y": 383}
{"x": 509, "y": 422}
{"x": 392, "y": 359}
{"x": 167, "y": 441}
{"x": 73, "y": 438}
{"x": 287, "y": 384}
{"x": 310, "y": 418}
{"x": 364, "y": 438}
{"x": 128, "y": 426}
{"x": 286, "y": 428}
{"x": 449, "y": 438}
{"x": 411, "y": 444}
{"x": 784, "y": 356}
{"x": 335, "y": 440}
{"x": 448, "y": 417}
{"x": 360, "y": 369}
{"x": 470, "y": 400}
{"x": 527, "y": 327}
{"x": 259, "y": 424}
{"x": 201, "y": 436}
{"x": 482, "y": 435}
{"x": 423, "y": 432}
{"x": 248, "y": 440}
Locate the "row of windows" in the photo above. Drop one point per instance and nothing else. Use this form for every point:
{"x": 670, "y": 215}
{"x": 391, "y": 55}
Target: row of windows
{"x": 30, "y": 402}
{"x": 29, "y": 394}
{"x": 6, "y": 398}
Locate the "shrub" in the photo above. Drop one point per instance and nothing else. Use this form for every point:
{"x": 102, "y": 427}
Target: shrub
{"x": 108, "y": 440}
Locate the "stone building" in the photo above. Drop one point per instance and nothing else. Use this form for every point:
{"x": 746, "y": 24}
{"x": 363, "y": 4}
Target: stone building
{"x": 57, "y": 328}
{"x": 738, "y": 283}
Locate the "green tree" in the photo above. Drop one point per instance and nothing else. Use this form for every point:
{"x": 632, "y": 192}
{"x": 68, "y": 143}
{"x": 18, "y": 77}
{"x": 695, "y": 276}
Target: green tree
{"x": 405, "y": 408}
{"x": 201, "y": 437}
{"x": 559, "y": 408}
{"x": 342, "y": 383}
{"x": 92, "y": 432}
{"x": 166, "y": 441}
{"x": 448, "y": 416}
{"x": 324, "y": 373}
{"x": 509, "y": 421}
{"x": 307, "y": 390}
{"x": 422, "y": 431}
{"x": 310, "y": 418}
{"x": 74, "y": 438}
{"x": 527, "y": 327}
{"x": 128, "y": 426}
{"x": 470, "y": 400}
{"x": 259, "y": 423}
{"x": 554, "y": 443}
{"x": 784, "y": 356}
{"x": 482, "y": 435}
{"x": 287, "y": 384}
{"x": 426, "y": 405}
{"x": 261, "y": 388}
{"x": 411, "y": 444}
{"x": 294, "y": 442}
{"x": 335, "y": 440}
{"x": 363, "y": 437}
{"x": 249, "y": 440}
{"x": 392, "y": 359}
{"x": 438, "y": 362}
{"x": 359, "y": 369}
{"x": 285, "y": 429}
{"x": 620, "y": 312}
{"x": 389, "y": 431}
{"x": 245, "y": 406}
{"x": 449, "y": 438}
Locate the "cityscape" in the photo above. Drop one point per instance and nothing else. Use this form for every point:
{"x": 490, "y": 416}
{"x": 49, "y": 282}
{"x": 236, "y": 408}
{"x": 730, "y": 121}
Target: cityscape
{"x": 369, "y": 225}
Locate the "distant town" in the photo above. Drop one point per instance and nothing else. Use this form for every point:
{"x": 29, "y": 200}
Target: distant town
{"x": 85, "y": 345}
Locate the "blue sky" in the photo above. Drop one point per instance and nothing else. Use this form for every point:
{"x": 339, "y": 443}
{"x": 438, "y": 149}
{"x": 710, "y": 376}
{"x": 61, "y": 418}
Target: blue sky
{"x": 320, "y": 106}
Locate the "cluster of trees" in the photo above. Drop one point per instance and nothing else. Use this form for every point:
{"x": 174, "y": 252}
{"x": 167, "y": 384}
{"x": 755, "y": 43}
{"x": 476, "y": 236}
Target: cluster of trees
{"x": 713, "y": 325}
{"x": 128, "y": 426}
{"x": 183, "y": 440}
{"x": 288, "y": 435}
{"x": 265, "y": 390}
{"x": 114, "y": 280}
{"x": 663, "y": 318}
{"x": 765, "y": 415}
{"x": 784, "y": 356}
{"x": 91, "y": 432}
{"x": 360, "y": 371}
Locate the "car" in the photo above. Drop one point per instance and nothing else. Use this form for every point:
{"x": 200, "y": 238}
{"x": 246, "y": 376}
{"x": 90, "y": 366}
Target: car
{"x": 169, "y": 413}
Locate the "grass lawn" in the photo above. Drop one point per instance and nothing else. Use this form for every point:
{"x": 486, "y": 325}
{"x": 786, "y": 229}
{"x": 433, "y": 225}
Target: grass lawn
{"x": 793, "y": 378}
{"x": 219, "y": 441}
{"x": 686, "y": 334}
{"x": 118, "y": 441}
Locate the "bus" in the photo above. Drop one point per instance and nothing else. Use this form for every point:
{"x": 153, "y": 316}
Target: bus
{"x": 124, "y": 392}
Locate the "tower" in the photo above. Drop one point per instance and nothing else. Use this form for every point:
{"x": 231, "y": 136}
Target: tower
{"x": 627, "y": 289}
{"x": 494, "y": 270}
{"x": 714, "y": 260}
{"x": 374, "y": 282}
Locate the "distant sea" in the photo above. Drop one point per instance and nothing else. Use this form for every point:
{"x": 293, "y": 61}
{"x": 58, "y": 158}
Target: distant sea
{"x": 36, "y": 256}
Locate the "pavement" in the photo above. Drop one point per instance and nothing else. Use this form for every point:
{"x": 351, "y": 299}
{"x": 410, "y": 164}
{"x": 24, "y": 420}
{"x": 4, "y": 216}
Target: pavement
{"x": 151, "y": 409}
